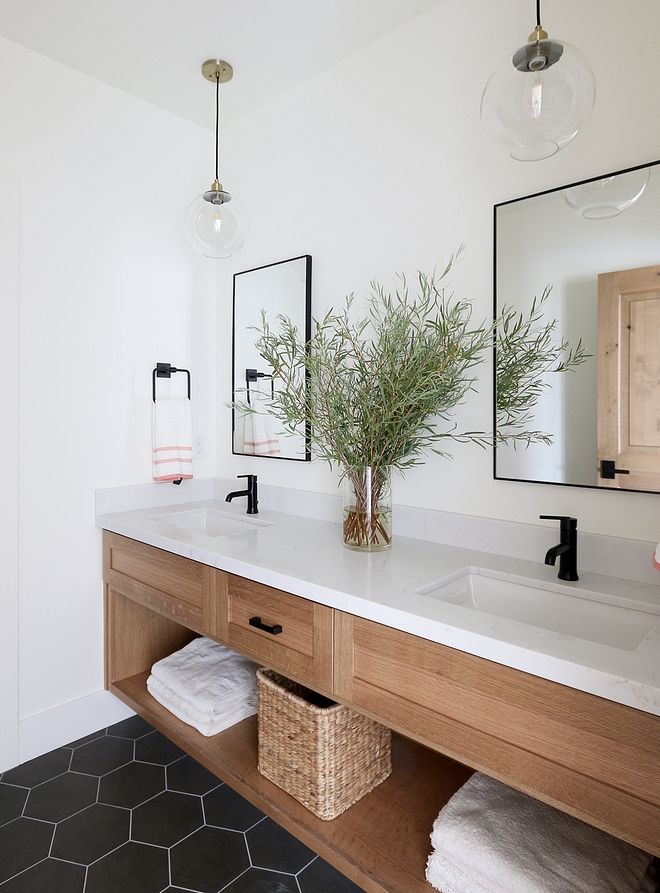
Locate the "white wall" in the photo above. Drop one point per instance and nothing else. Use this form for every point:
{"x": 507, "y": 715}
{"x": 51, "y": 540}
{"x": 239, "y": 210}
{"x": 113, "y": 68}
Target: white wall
{"x": 108, "y": 288}
{"x": 9, "y": 368}
{"x": 381, "y": 164}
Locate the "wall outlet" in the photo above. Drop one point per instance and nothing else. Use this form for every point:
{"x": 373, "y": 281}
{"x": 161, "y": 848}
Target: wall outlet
{"x": 199, "y": 447}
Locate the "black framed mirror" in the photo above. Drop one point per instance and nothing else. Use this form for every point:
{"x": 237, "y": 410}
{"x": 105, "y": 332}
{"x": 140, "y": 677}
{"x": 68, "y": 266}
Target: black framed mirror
{"x": 596, "y": 245}
{"x": 281, "y": 288}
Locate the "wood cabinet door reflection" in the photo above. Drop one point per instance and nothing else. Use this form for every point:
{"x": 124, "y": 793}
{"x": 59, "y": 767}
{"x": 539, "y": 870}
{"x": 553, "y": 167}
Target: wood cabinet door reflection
{"x": 629, "y": 377}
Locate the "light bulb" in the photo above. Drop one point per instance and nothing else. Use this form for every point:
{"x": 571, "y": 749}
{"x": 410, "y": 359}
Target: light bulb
{"x": 537, "y": 98}
{"x": 214, "y": 224}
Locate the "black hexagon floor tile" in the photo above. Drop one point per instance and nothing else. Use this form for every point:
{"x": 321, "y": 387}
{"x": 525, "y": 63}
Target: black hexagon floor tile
{"x": 49, "y": 876}
{"x": 102, "y": 755}
{"x": 273, "y": 847}
{"x": 167, "y": 819}
{"x": 131, "y": 785}
{"x": 133, "y": 727}
{"x": 208, "y": 860}
{"x": 133, "y": 868}
{"x": 156, "y": 748}
{"x": 256, "y": 880}
{"x": 90, "y": 834}
{"x": 41, "y": 769}
{"x": 319, "y": 877}
{"x": 227, "y": 809}
{"x": 12, "y": 801}
{"x": 22, "y": 843}
{"x": 61, "y": 797}
{"x": 176, "y": 803}
{"x": 189, "y": 777}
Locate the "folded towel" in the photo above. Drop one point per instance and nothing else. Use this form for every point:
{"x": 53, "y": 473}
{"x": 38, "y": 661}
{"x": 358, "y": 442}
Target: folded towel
{"x": 171, "y": 430}
{"x": 207, "y": 675}
{"x": 443, "y": 876}
{"x": 245, "y": 703}
{"x": 656, "y": 558}
{"x": 206, "y": 724}
{"x": 506, "y": 842}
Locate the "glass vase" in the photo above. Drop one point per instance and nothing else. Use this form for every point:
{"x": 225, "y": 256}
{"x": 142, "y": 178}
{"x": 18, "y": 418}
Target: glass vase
{"x": 367, "y": 523}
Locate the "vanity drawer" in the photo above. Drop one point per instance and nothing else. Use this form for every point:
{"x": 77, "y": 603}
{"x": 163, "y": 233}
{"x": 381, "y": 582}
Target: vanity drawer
{"x": 179, "y": 588}
{"x": 287, "y": 633}
{"x": 593, "y": 758}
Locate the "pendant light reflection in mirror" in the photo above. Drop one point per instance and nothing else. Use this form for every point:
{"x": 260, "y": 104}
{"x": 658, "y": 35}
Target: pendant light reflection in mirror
{"x": 215, "y": 221}
{"x": 538, "y": 100}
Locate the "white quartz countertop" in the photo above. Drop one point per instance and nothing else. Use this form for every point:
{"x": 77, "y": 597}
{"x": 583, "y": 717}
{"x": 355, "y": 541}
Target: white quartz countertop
{"x": 307, "y": 558}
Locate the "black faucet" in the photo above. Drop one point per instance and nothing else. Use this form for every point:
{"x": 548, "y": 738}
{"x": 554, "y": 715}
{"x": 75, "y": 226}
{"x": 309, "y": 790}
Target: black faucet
{"x": 567, "y": 548}
{"x": 250, "y": 492}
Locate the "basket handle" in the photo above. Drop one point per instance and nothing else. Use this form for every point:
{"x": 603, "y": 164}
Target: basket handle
{"x": 274, "y": 630}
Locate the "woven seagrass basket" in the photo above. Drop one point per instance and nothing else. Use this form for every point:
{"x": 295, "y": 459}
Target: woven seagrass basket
{"x": 323, "y": 754}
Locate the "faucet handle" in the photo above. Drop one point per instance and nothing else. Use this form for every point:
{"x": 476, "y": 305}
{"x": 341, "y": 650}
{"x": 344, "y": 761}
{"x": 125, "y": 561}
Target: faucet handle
{"x": 250, "y": 477}
{"x": 566, "y": 520}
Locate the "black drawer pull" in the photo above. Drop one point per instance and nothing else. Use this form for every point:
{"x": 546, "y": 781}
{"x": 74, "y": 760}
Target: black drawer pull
{"x": 274, "y": 630}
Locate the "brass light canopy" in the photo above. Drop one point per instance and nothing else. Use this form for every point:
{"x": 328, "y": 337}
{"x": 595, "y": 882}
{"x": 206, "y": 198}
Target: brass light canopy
{"x": 217, "y": 70}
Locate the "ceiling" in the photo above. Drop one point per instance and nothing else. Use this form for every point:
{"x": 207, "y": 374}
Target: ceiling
{"x": 154, "y": 48}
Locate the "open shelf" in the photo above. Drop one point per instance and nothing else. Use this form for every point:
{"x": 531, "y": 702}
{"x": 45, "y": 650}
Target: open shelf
{"x": 381, "y": 843}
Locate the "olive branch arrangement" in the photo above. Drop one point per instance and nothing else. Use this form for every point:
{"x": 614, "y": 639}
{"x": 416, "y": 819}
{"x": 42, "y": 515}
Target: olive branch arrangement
{"x": 380, "y": 391}
{"x": 526, "y": 352}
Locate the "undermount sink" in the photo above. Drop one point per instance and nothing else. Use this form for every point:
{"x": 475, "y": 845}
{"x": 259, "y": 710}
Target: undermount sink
{"x": 208, "y": 522}
{"x": 577, "y": 613}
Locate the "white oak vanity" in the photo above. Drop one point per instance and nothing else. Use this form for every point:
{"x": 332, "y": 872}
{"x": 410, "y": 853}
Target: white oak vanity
{"x": 453, "y": 711}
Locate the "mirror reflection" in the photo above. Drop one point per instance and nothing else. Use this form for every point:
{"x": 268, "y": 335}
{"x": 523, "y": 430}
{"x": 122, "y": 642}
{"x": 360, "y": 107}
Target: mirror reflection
{"x": 282, "y": 288}
{"x": 597, "y": 246}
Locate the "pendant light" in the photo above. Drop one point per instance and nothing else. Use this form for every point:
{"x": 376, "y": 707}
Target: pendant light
{"x": 213, "y": 220}
{"x": 609, "y": 196}
{"x": 536, "y": 103}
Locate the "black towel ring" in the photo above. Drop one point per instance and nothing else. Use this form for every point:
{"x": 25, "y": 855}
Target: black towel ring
{"x": 166, "y": 370}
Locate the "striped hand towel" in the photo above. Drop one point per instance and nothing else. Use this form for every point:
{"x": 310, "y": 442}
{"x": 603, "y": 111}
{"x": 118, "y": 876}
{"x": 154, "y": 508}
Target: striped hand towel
{"x": 172, "y": 440}
{"x": 259, "y": 435}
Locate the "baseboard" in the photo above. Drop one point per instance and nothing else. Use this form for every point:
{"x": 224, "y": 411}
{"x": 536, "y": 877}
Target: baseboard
{"x": 45, "y": 731}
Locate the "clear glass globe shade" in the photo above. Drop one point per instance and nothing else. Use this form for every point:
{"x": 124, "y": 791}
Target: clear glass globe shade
{"x": 536, "y": 113}
{"x": 215, "y": 230}
{"x": 607, "y": 197}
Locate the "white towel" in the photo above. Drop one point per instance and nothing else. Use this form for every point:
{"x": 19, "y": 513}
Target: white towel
{"x": 441, "y": 874}
{"x": 444, "y": 876}
{"x": 257, "y": 430}
{"x": 245, "y": 704}
{"x": 208, "y": 676}
{"x": 206, "y": 724}
{"x": 503, "y": 841}
{"x": 171, "y": 431}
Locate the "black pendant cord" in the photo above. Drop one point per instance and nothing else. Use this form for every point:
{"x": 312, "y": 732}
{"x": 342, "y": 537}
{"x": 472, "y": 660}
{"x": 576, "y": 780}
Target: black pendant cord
{"x": 538, "y": 13}
{"x": 217, "y": 120}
